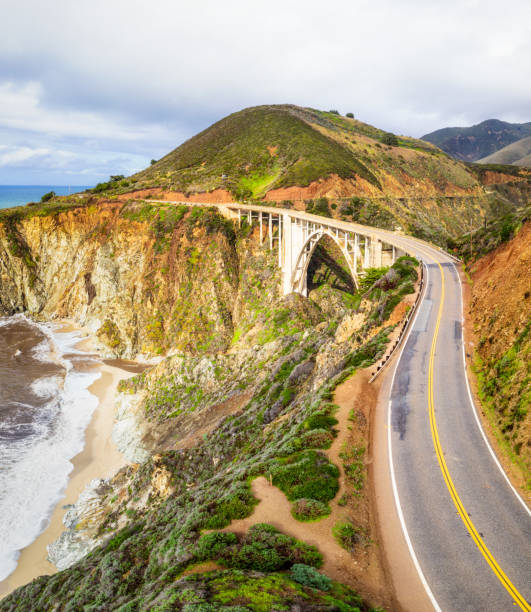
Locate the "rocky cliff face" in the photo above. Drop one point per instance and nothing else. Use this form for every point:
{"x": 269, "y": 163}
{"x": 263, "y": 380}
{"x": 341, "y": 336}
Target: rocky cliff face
{"x": 242, "y": 389}
{"x": 143, "y": 278}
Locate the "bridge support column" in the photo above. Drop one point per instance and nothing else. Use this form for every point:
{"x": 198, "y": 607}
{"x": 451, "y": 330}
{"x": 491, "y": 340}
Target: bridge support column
{"x": 366, "y": 252}
{"x": 375, "y": 253}
{"x": 291, "y": 239}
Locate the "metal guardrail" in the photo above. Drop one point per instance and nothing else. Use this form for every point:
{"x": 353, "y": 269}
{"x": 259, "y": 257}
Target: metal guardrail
{"x": 405, "y": 326}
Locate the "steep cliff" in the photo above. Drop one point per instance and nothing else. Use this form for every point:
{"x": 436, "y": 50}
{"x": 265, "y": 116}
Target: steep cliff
{"x": 144, "y": 278}
{"x": 243, "y": 390}
{"x": 500, "y": 313}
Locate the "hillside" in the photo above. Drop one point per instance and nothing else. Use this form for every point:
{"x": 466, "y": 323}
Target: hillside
{"x": 298, "y": 155}
{"x": 478, "y": 141}
{"x": 499, "y": 312}
{"x": 265, "y": 148}
{"x": 243, "y": 402}
{"x": 517, "y": 153}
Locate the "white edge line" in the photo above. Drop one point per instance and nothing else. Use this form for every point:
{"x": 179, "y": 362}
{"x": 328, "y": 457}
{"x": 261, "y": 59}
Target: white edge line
{"x": 474, "y": 408}
{"x": 392, "y": 470}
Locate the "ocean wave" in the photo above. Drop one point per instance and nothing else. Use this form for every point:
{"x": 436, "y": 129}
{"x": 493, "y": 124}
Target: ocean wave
{"x": 37, "y": 466}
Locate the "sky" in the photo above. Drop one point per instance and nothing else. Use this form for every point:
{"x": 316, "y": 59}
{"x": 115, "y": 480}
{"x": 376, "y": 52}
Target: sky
{"x": 90, "y": 88}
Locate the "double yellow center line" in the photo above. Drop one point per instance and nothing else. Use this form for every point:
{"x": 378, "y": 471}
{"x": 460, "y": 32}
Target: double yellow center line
{"x": 500, "y": 574}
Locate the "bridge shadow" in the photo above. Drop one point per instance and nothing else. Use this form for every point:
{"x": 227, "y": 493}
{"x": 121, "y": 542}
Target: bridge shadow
{"x": 328, "y": 266}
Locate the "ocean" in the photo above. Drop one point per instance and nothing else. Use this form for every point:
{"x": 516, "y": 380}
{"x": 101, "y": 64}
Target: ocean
{"x": 18, "y": 195}
{"x": 45, "y": 407}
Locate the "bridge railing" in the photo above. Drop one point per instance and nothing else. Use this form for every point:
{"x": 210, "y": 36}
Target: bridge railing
{"x": 406, "y": 324}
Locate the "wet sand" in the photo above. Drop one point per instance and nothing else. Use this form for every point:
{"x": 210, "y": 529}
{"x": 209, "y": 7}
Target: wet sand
{"x": 98, "y": 459}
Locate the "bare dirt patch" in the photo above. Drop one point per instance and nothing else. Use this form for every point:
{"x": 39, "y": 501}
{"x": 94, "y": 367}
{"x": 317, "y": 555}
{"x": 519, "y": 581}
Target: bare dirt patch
{"x": 197, "y": 424}
{"x": 217, "y": 196}
{"x": 331, "y": 187}
{"x": 362, "y": 569}
{"x": 497, "y": 178}
{"x": 211, "y": 418}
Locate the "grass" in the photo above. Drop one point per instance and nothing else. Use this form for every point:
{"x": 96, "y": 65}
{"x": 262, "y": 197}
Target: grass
{"x": 255, "y": 185}
{"x": 348, "y": 535}
{"x": 504, "y": 389}
{"x": 353, "y": 466}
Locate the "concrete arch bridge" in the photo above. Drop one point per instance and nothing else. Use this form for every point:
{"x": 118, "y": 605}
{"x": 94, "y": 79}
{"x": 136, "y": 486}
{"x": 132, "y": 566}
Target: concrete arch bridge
{"x": 296, "y": 235}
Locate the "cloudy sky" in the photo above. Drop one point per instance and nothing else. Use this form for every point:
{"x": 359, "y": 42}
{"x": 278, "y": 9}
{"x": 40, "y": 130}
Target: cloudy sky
{"x": 90, "y": 88}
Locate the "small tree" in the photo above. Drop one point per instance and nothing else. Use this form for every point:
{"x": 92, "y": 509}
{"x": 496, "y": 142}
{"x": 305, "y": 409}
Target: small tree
{"x": 334, "y": 111}
{"x": 153, "y": 162}
{"x": 48, "y": 196}
{"x": 350, "y": 115}
{"x": 389, "y": 139}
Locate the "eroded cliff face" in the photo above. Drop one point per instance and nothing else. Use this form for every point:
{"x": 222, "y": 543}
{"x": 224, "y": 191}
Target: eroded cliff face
{"x": 143, "y": 278}
{"x": 243, "y": 388}
{"x": 500, "y": 311}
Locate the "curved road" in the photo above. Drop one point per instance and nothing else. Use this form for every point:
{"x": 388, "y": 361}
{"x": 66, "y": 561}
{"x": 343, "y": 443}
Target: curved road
{"x": 467, "y": 531}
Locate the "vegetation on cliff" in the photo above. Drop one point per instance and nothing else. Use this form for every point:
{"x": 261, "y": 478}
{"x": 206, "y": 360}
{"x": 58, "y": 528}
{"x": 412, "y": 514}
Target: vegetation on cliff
{"x": 245, "y": 392}
{"x": 285, "y": 153}
{"x": 302, "y": 156}
{"x": 498, "y": 262}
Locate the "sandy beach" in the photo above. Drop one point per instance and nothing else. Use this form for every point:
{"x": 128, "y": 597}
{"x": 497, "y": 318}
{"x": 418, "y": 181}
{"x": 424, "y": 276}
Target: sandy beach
{"x": 98, "y": 459}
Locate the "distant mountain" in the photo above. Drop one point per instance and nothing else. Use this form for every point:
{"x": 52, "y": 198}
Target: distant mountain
{"x": 479, "y": 141}
{"x": 518, "y": 154}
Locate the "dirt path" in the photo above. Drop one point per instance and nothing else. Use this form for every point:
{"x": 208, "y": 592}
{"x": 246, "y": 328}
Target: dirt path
{"x": 361, "y": 570}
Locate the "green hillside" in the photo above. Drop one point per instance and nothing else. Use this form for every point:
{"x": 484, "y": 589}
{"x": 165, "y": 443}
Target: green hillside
{"x": 478, "y": 141}
{"x": 262, "y": 148}
{"x": 320, "y": 160}
{"x": 237, "y": 148}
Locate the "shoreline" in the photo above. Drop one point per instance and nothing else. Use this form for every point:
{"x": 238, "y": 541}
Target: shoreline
{"x": 99, "y": 459}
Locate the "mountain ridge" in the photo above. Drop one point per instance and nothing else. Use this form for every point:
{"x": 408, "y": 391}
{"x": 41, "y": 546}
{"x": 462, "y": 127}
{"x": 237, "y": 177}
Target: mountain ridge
{"x": 477, "y": 141}
{"x": 518, "y": 153}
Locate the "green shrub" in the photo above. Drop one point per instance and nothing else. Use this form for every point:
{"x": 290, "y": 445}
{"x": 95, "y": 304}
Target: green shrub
{"x": 212, "y": 545}
{"x": 122, "y": 536}
{"x": 389, "y": 139}
{"x": 318, "y": 207}
{"x": 505, "y": 232}
{"x": 48, "y": 196}
{"x": 322, "y": 419}
{"x": 307, "y": 474}
{"x": 262, "y": 548}
{"x": 309, "y": 576}
{"x": 350, "y": 115}
{"x": 309, "y": 509}
{"x": 240, "y": 505}
{"x": 317, "y": 438}
{"x": 347, "y": 535}
{"x": 370, "y": 277}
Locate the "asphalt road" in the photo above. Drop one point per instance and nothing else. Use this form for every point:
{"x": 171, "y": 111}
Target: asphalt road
{"x": 467, "y": 532}
{"x": 454, "y": 498}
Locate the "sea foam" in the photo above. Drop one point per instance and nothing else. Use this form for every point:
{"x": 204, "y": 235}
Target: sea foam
{"x": 36, "y": 467}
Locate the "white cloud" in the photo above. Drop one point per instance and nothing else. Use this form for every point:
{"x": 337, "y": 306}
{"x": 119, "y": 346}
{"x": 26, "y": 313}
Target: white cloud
{"x": 21, "y": 154}
{"x": 138, "y": 77}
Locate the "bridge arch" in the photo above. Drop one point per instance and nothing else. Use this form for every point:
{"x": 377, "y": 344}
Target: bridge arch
{"x": 299, "y": 274}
